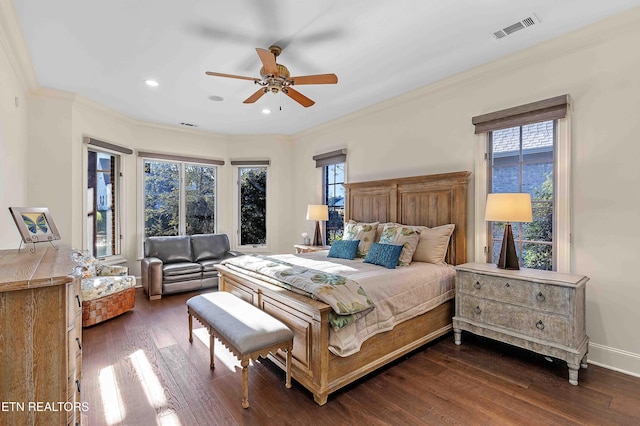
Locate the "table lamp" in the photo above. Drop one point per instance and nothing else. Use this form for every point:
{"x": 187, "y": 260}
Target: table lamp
{"x": 317, "y": 212}
{"x": 508, "y": 207}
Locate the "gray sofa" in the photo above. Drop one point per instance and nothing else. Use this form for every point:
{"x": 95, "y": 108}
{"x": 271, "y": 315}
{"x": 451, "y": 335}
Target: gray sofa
{"x": 182, "y": 263}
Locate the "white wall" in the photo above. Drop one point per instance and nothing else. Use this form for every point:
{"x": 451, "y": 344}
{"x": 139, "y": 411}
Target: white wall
{"x": 426, "y": 131}
{"x": 13, "y": 145}
{"x": 430, "y": 131}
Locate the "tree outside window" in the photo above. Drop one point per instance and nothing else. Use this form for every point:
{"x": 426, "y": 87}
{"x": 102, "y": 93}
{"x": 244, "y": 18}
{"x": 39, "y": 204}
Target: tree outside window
{"x": 253, "y": 205}
{"x": 179, "y": 198}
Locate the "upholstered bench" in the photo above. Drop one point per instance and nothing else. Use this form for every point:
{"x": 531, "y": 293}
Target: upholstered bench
{"x": 247, "y": 331}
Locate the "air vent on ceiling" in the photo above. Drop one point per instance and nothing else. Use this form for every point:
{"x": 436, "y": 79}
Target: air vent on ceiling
{"x": 520, "y": 25}
{"x": 188, "y": 124}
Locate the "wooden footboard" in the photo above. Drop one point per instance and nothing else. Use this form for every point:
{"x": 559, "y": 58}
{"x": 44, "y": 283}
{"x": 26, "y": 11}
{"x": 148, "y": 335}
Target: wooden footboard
{"x": 314, "y": 367}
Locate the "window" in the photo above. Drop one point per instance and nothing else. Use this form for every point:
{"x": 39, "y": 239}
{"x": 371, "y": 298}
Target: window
{"x": 334, "y": 199}
{"x": 333, "y": 166}
{"x": 527, "y": 149}
{"x": 102, "y": 203}
{"x": 252, "y": 205}
{"x": 521, "y": 159}
{"x": 179, "y": 198}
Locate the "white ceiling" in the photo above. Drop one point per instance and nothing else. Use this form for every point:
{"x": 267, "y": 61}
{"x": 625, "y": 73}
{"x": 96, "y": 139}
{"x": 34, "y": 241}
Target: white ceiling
{"x": 104, "y": 50}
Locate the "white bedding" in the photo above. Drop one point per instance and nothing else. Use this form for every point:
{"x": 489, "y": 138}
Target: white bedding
{"x": 399, "y": 294}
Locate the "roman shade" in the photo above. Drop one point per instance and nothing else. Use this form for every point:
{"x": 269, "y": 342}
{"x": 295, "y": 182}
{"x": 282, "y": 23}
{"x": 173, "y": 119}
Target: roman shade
{"x": 535, "y": 112}
{"x": 106, "y": 145}
{"x": 250, "y": 162}
{"x": 171, "y": 157}
{"x": 329, "y": 158}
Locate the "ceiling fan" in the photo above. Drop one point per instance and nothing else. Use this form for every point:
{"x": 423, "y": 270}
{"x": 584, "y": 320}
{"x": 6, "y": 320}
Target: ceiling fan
{"x": 275, "y": 78}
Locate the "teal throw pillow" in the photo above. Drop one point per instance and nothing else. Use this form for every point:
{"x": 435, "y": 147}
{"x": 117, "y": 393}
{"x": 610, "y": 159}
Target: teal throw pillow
{"x": 344, "y": 249}
{"x": 386, "y": 255}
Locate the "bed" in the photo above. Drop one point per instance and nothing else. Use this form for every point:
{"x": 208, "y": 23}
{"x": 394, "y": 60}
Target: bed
{"x": 430, "y": 200}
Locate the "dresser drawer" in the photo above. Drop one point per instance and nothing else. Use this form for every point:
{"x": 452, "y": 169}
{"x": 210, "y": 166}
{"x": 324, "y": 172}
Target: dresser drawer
{"x": 544, "y": 297}
{"x": 545, "y": 326}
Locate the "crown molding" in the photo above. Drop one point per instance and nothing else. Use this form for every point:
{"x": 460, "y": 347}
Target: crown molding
{"x": 12, "y": 39}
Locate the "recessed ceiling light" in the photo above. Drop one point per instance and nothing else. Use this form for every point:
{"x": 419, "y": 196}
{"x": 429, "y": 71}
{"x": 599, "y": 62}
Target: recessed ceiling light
{"x": 216, "y": 98}
{"x": 266, "y": 111}
{"x": 151, "y": 83}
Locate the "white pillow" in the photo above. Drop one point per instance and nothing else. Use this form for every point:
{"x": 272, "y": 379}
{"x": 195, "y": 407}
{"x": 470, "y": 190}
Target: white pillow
{"x": 433, "y": 244}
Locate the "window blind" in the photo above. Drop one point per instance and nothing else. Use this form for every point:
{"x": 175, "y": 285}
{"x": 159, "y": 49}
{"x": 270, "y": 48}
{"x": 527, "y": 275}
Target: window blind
{"x": 106, "y": 145}
{"x": 333, "y": 157}
{"x": 250, "y": 162}
{"x": 172, "y": 157}
{"x": 534, "y": 112}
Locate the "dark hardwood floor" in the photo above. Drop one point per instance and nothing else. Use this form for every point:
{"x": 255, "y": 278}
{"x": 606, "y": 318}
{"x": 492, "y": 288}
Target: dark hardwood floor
{"x": 139, "y": 369}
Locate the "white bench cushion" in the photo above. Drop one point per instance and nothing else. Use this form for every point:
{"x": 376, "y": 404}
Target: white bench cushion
{"x": 243, "y": 325}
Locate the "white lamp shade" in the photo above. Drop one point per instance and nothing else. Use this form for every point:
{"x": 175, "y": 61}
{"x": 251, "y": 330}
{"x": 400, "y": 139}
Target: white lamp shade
{"x": 508, "y": 207}
{"x": 317, "y": 212}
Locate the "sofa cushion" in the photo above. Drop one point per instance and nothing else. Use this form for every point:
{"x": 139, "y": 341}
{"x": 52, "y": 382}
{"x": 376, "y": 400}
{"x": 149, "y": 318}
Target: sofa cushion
{"x": 209, "y": 246}
{"x": 173, "y": 269}
{"x": 210, "y": 265}
{"x": 184, "y": 277}
{"x": 169, "y": 249}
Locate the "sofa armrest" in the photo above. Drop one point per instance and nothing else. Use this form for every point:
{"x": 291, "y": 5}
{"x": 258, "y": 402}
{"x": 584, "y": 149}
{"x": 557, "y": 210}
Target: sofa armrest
{"x": 151, "y": 271}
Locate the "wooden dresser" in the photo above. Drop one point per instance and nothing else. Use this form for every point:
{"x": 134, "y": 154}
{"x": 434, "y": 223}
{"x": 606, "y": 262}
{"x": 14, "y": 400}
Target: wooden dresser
{"x": 542, "y": 311}
{"x": 41, "y": 340}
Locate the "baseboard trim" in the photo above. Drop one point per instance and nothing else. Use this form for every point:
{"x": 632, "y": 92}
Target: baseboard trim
{"x": 614, "y": 359}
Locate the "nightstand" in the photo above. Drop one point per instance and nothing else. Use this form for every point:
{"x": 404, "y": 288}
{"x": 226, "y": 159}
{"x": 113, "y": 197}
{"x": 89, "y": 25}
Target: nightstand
{"x": 303, "y": 248}
{"x": 542, "y": 311}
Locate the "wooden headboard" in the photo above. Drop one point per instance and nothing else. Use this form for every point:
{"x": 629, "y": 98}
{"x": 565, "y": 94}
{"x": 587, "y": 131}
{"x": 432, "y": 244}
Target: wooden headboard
{"x": 430, "y": 200}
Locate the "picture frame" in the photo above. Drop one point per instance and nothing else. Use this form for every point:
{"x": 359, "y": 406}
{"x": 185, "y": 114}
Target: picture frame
{"x": 35, "y": 224}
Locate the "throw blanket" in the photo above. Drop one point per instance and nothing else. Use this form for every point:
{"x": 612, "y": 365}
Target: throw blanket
{"x": 345, "y": 296}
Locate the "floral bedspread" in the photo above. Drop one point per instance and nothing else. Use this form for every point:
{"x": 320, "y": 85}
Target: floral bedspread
{"x": 346, "y": 297}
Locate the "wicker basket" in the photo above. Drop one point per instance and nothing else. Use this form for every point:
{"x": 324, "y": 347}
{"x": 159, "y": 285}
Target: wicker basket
{"x": 104, "y": 308}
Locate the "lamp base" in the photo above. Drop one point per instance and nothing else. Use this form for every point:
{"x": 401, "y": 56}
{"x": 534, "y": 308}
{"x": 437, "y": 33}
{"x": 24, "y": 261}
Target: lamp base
{"x": 508, "y": 257}
{"x": 317, "y": 237}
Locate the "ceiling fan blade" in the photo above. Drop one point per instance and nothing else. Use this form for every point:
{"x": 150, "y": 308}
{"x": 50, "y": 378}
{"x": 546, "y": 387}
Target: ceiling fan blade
{"x": 268, "y": 60}
{"x": 298, "y": 97}
{"x": 314, "y": 79}
{"x": 257, "y": 95}
{"x": 217, "y": 74}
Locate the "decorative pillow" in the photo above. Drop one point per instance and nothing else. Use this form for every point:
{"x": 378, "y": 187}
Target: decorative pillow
{"x": 433, "y": 244}
{"x": 386, "y": 255}
{"x": 365, "y": 232}
{"x": 344, "y": 249}
{"x": 406, "y": 236}
{"x": 87, "y": 262}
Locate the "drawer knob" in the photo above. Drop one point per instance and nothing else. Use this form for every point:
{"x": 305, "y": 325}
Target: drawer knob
{"x": 540, "y": 325}
{"x": 477, "y": 310}
{"x": 477, "y": 285}
{"x": 507, "y": 285}
{"x": 540, "y": 297}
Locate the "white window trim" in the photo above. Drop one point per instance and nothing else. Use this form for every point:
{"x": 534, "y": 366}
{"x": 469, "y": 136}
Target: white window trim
{"x": 265, "y": 248}
{"x": 120, "y": 219}
{"x": 562, "y": 176}
{"x": 182, "y": 196}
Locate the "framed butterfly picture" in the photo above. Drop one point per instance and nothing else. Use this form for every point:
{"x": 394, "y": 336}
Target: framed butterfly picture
{"x": 35, "y": 224}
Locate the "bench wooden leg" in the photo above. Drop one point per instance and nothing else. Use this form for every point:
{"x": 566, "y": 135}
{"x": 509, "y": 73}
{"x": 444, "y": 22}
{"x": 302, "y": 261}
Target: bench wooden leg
{"x": 245, "y": 383}
{"x": 211, "y": 346}
{"x": 190, "y": 328}
{"x": 288, "y": 380}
